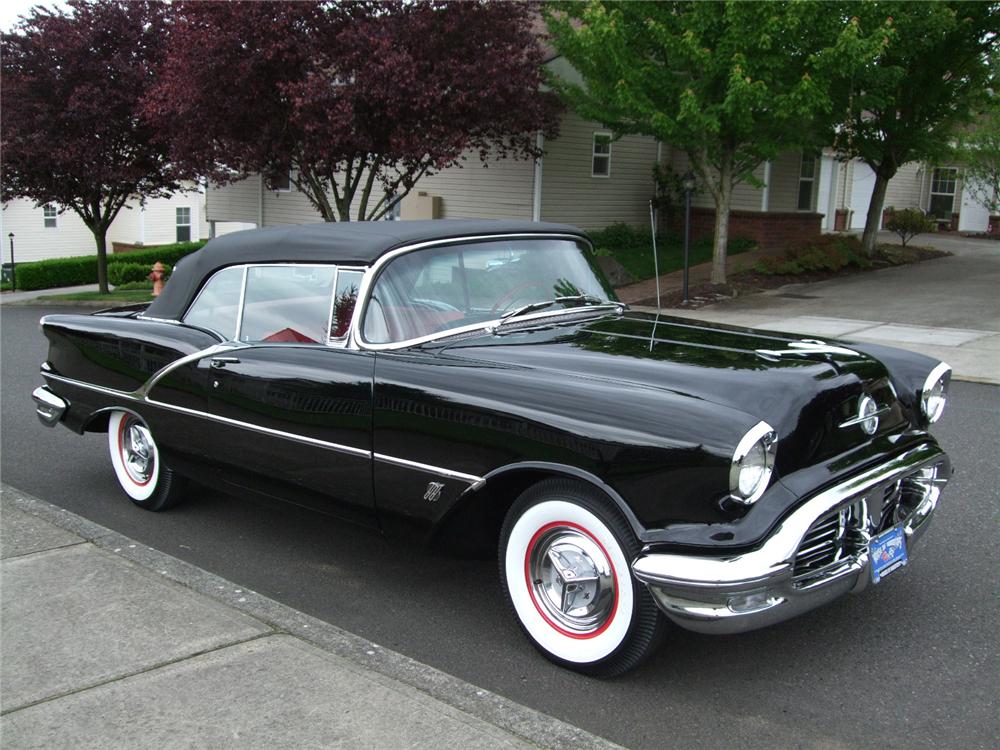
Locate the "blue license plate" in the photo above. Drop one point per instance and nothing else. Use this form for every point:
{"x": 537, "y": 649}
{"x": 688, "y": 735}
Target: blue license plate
{"x": 887, "y": 552}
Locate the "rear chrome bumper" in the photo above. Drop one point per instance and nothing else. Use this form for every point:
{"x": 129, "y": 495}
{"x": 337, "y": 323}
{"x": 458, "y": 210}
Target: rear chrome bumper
{"x": 750, "y": 590}
{"x": 49, "y": 407}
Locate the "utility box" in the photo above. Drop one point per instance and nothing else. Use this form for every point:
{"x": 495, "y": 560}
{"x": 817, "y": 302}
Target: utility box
{"x": 420, "y": 205}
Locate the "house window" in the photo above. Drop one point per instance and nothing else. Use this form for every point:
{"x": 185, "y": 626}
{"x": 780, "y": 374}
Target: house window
{"x": 601, "y": 162}
{"x": 943, "y": 193}
{"x": 49, "y": 216}
{"x": 807, "y": 181}
{"x": 279, "y": 182}
{"x": 184, "y": 224}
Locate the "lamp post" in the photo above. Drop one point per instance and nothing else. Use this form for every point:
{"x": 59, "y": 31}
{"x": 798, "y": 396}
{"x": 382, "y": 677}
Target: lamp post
{"x": 13, "y": 267}
{"x": 687, "y": 181}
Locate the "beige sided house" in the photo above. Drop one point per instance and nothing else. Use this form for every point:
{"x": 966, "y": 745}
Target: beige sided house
{"x": 591, "y": 179}
{"x": 42, "y": 232}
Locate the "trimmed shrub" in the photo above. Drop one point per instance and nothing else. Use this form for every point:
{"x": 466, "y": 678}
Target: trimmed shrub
{"x": 82, "y": 269}
{"x": 908, "y": 223}
{"x": 124, "y": 273}
{"x": 827, "y": 253}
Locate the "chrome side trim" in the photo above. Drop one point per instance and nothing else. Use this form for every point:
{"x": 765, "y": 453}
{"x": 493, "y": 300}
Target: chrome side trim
{"x": 145, "y": 388}
{"x": 364, "y": 293}
{"x": 338, "y": 447}
{"x": 90, "y": 386}
{"x": 470, "y": 478}
{"x": 136, "y": 396}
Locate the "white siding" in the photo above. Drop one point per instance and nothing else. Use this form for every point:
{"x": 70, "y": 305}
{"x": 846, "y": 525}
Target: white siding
{"x": 904, "y": 188}
{"x": 32, "y": 241}
{"x": 502, "y": 190}
{"x": 785, "y": 172}
{"x": 571, "y": 195}
{"x": 239, "y": 201}
{"x": 155, "y": 224}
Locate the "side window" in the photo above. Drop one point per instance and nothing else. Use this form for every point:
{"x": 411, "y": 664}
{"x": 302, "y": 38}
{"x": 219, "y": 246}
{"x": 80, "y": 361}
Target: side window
{"x": 183, "y": 222}
{"x": 345, "y": 298}
{"x": 49, "y": 214}
{"x": 217, "y": 305}
{"x": 601, "y": 155}
{"x": 287, "y": 304}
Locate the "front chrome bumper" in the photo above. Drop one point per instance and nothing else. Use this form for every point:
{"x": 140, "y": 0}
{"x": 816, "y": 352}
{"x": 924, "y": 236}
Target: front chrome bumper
{"x": 750, "y": 590}
{"x": 49, "y": 407}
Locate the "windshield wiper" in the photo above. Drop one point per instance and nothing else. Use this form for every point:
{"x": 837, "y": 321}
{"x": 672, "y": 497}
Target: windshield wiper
{"x": 590, "y": 299}
{"x": 542, "y": 304}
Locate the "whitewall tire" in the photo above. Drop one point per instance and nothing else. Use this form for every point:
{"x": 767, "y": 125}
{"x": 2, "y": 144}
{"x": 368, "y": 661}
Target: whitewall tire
{"x": 565, "y": 551}
{"x": 136, "y": 461}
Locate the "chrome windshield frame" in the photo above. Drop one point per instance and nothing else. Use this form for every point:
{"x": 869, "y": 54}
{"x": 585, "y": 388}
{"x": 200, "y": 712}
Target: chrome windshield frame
{"x": 371, "y": 276}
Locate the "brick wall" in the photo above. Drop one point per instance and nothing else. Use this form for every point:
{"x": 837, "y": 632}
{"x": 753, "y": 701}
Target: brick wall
{"x": 771, "y": 230}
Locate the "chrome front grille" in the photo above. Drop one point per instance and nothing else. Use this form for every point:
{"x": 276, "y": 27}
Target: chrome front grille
{"x": 891, "y": 497}
{"x": 835, "y": 537}
{"x": 841, "y": 536}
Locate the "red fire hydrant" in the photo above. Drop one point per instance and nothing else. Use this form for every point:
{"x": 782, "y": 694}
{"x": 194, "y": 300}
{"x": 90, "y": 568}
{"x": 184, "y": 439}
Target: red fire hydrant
{"x": 157, "y": 278}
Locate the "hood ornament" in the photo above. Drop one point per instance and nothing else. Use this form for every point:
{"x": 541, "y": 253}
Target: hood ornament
{"x": 806, "y": 348}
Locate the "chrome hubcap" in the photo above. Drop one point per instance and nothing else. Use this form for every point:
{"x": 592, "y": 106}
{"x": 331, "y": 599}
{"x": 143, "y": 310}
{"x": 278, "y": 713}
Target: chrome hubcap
{"x": 572, "y": 580}
{"x": 137, "y": 449}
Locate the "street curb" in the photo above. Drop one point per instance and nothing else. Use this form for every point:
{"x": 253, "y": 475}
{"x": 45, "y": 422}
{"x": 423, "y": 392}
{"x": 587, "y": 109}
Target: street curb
{"x": 523, "y": 722}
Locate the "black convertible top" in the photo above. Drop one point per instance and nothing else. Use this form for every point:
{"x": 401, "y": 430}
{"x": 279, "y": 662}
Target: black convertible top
{"x": 343, "y": 242}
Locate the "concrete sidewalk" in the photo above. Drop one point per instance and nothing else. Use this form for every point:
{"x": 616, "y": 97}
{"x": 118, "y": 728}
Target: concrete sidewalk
{"x": 11, "y": 298}
{"x": 109, "y": 644}
{"x": 947, "y": 308}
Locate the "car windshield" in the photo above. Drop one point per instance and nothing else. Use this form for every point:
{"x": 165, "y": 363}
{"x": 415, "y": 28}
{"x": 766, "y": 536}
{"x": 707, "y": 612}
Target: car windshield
{"x": 440, "y": 289}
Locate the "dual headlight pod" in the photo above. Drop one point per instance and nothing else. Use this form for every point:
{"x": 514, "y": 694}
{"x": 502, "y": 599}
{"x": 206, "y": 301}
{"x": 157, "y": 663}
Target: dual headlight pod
{"x": 934, "y": 394}
{"x": 753, "y": 464}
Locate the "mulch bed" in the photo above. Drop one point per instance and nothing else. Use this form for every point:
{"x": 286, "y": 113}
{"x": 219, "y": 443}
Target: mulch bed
{"x": 753, "y": 282}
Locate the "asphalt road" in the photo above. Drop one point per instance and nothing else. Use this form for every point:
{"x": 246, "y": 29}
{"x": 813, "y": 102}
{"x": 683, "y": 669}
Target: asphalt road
{"x": 913, "y": 662}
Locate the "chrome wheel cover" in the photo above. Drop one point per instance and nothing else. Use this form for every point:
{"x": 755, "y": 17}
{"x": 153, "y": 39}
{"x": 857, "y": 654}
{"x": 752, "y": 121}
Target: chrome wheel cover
{"x": 137, "y": 451}
{"x": 572, "y": 580}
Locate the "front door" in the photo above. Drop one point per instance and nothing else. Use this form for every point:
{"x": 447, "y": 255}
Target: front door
{"x": 295, "y": 421}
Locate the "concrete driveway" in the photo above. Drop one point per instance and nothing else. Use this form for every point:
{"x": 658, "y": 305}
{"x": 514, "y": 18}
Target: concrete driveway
{"x": 948, "y": 308}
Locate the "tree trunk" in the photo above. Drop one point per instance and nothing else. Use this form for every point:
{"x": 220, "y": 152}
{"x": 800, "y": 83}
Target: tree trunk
{"x": 875, "y": 212}
{"x": 100, "y": 238}
{"x": 723, "y": 198}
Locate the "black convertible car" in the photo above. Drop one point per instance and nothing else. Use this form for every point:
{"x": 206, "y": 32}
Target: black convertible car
{"x": 479, "y": 384}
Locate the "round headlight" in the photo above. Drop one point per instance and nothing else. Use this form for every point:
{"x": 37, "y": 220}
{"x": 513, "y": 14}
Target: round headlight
{"x": 934, "y": 394}
{"x": 753, "y": 462}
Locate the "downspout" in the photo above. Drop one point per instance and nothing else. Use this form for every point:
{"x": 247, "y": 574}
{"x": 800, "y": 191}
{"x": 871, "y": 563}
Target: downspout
{"x": 536, "y": 192}
{"x": 260, "y": 203}
{"x": 831, "y": 204}
{"x": 142, "y": 223}
{"x": 765, "y": 196}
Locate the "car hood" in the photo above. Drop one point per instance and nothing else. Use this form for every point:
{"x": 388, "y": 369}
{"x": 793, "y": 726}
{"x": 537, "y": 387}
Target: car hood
{"x": 805, "y": 392}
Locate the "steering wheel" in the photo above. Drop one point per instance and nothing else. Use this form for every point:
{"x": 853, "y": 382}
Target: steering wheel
{"x": 517, "y": 293}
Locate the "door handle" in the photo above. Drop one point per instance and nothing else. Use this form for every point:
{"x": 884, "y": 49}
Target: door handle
{"x": 219, "y": 362}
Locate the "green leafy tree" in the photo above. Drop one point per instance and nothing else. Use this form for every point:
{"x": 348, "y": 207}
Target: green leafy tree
{"x": 979, "y": 153}
{"x": 924, "y": 81}
{"x": 730, "y": 83}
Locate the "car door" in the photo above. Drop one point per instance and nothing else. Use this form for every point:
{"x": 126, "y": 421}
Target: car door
{"x": 290, "y": 406}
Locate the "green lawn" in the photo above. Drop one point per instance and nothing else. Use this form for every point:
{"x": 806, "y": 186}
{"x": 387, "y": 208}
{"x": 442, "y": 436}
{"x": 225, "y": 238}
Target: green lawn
{"x": 633, "y": 248}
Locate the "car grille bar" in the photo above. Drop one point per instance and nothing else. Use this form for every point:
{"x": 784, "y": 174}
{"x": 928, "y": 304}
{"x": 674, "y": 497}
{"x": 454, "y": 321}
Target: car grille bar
{"x": 841, "y": 536}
